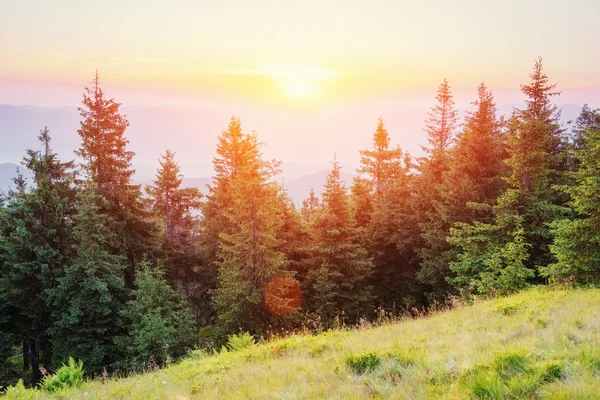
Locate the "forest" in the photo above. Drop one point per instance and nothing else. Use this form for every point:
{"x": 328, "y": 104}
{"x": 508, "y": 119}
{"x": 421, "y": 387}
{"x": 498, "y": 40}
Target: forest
{"x": 97, "y": 268}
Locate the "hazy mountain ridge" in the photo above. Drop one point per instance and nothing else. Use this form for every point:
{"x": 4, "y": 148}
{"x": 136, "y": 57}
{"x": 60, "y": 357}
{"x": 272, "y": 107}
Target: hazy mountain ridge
{"x": 192, "y": 133}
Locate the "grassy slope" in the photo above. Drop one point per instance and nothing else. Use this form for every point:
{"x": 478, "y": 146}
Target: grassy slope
{"x": 540, "y": 343}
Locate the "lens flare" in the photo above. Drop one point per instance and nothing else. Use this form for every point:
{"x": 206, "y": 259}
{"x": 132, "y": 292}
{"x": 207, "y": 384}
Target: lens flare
{"x": 282, "y": 295}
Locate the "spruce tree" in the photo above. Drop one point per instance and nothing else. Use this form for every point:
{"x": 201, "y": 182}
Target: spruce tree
{"x": 576, "y": 245}
{"x": 310, "y": 206}
{"x": 393, "y": 238}
{"x": 382, "y": 210}
{"x": 381, "y": 163}
{"x": 160, "y": 321}
{"x": 249, "y": 256}
{"x": 475, "y": 178}
{"x": 174, "y": 207}
{"x": 108, "y": 162}
{"x": 440, "y": 128}
{"x": 507, "y": 254}
{"x": 233, "y": 152}
{"x": 89, "y": 299}
{"x": 477, "y": 169}
{"x": 36, "y": 227}
{"x": 339, "y": 269}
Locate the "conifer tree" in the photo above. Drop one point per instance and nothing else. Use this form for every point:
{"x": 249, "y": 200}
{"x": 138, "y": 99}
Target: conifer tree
{"x": 362, "y": 199}
{"x": 160, "y": 322}
{"x": 339, "y": 269}
{"x": 382, "y": 210}
{"x": 108, "y": 162}
{"x": 294, "y": 233}
{"x": 88, "y": 301}
{"x": 477, "y": 167}
{"x": 576, "y": 245}
{"x": 381, "y": 163}
{"x": 249, "y": 256}
{"x": 505, "y": 255}
{"x": 476, "y": 174}
{"x": 392, "y": 239}
{"x": 36, "y": 227}
{"x": 440, "y": 128}
{"x": 233, "y": 152}
{"x": 173, "y": 205}
{"x": 310, "y": 206}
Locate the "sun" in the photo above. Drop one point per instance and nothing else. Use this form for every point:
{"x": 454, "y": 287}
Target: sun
{"x": 298, "y": 88}
{"x": 298, "y": 80}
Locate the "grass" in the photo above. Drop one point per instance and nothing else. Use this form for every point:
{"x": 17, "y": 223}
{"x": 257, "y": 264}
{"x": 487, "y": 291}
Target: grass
{"x": 541, "y": 343}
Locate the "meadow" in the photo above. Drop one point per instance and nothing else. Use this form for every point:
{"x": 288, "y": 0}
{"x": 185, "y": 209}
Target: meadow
{"x": 540, "y": 343}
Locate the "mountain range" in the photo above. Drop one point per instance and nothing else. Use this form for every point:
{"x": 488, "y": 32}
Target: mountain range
{"x": 306, "y": 139}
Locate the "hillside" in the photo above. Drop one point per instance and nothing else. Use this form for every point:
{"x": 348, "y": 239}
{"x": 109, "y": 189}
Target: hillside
{"x": 538, "y": 344}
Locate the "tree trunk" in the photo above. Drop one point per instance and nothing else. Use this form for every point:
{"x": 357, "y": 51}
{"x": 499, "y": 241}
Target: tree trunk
{"x": 47, "y": 348}
{"x": 35, "y": 362}
{"x": 26, "y": 356}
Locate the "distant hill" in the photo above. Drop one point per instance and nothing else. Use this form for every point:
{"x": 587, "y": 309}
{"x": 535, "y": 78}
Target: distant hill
{"x": 298, "y": 188}
{"x": 538, "y": 344}
{"x": 308, "y": 139}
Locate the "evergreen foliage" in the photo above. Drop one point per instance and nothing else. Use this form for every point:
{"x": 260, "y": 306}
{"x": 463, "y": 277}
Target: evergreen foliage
{"x": 175, "y": 207}
{"x": 88, "y": 300}
{"x": 249, "y": 255}
{"x": 435, "y": 253}
{"x": 108, "y": 163}
{"x": 160, "y": 322}
{"x": 338, "y": 267}
{"x": 576, "y": 244}
{"x": 519, "y": 237}
{"x": 36, "y": 231}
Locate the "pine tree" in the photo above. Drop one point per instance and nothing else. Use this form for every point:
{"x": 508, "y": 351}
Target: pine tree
{"x": 520, "y": 234}
{"x": 477, "y": 168}
{"x": 362, "y": 201}
{"x": 576, "y": 241}
{"x": 36, "y": 227}
{"x": 108, "y": 162}
{"x": 88, "y": 301}
{"x": 233, "y": 152}
{"x": 160, "y": 322}
{"x": 7, "y": 337}
{"x": 381, "y": 163}
{"x": 249, "y": 256}
{"x": 310, "y": 206}
{"x": 382, "y": 210}
{"x": 440, "y": 128}
{"x": 476, "y": 176}
{"x": 174, "y": 207}
{"x": 392, "y": 239}
{"x": 338, "y": 267}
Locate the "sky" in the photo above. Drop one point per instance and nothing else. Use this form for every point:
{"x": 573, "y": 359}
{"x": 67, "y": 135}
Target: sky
{"x": 299, "y": 73}
{"x": 290, "y": 53}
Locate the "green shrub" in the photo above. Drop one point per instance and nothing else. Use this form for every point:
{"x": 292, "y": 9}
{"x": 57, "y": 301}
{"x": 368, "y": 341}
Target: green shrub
{"x": 240, "y": 341}
{"x": 68, "y": 375}
{"x": 360, "y": 364}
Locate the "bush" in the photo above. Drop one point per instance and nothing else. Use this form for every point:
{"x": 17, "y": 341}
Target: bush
{"x": 363, "y": 363}
{"x": 70, "y": 375}
{"x": 240, "y": 341}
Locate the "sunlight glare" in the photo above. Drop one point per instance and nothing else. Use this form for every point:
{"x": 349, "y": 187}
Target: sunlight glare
{"x": 298, "y": 80}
